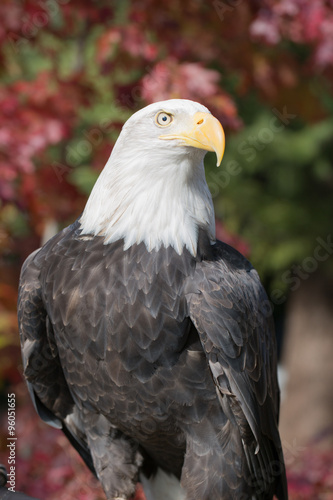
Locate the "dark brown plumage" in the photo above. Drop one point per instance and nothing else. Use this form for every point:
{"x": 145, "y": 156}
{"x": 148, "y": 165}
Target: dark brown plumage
{"x": 149, "y": 357}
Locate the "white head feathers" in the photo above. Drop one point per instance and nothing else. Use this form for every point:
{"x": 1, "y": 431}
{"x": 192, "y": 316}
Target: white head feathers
{"x": 154, "y": 190}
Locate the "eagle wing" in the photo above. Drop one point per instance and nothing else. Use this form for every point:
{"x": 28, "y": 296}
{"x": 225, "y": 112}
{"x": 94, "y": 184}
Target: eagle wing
{"x": 41, "y": 364}
{"x": 233, "y": 317}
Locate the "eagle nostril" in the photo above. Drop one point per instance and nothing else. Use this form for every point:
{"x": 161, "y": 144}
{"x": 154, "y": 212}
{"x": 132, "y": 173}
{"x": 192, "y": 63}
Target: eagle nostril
{"x": 200, "y": 121}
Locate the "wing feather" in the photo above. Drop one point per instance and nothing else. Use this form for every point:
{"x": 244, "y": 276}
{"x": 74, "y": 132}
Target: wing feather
{"x": 225, "y": 300}
{"x": 42, "y": 368}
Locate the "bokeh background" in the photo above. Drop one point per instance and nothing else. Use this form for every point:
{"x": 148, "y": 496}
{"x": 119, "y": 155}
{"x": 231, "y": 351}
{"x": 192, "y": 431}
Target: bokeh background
{"x": 72, "y": 71}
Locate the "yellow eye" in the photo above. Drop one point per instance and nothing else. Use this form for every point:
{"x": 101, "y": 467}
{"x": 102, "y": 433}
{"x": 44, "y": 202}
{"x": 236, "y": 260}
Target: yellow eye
{"x": 163, "y": 119}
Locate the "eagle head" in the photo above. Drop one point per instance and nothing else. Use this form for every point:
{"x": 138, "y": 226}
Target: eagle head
{"x": 153, "y": 187}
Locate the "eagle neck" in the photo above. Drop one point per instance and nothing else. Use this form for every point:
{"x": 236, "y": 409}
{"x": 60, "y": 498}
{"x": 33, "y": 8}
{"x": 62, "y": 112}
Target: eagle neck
{"x": 160, "y": 205}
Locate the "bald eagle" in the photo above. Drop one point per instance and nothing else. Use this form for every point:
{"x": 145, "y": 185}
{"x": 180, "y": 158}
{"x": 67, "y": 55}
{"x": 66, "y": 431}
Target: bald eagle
{"x": 146, "y": 340}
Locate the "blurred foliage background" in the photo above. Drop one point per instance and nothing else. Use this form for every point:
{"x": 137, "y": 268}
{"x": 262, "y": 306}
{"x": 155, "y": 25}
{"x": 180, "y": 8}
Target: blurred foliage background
{"x": 73, "y": 71}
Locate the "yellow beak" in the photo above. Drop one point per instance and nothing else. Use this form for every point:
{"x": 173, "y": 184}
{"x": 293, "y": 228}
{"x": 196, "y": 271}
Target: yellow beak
{"x": 205, "y": 132}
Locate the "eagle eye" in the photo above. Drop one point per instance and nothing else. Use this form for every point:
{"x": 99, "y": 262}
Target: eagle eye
{"x": 163, "y": 119}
